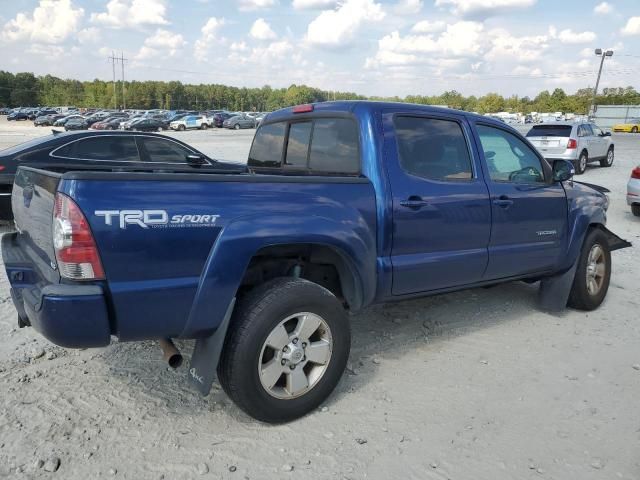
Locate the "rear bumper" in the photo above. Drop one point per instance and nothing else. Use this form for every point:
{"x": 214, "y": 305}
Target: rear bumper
{"x": 74, "y": 316}
{"x": 633, "y": 192}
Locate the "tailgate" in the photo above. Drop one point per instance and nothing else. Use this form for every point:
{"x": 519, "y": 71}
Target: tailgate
{"x": 32, "y": 202}
{"x": 549, "y": 144}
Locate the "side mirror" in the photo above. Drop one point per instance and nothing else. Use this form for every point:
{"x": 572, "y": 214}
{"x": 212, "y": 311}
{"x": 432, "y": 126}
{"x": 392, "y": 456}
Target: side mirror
{"x": 606, "y": 134}
{"x": 563, "y": 170}
{"x": 195, "y": 159}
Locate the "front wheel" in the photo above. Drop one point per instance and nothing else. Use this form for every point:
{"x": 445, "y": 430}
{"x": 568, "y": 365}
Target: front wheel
{"x": 593, "y": 273}
{"x": 634, "y": 130}
{"x": 181, "y": 128}
{"x": 236, "y": 126}
{"x": 608, "y": 160}
{"x": 204, "y": 126}
{"x": 286, "y": 350}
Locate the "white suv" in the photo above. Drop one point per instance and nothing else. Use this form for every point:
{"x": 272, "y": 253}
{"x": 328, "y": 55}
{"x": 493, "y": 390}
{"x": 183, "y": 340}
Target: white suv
{"x": 580, "y": 143}
{"x": 190, "y": 121}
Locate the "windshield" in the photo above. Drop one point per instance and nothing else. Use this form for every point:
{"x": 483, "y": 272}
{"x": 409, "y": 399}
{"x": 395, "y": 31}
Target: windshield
{"x": 25, "y": 145}
{"x": 550, "y": 131}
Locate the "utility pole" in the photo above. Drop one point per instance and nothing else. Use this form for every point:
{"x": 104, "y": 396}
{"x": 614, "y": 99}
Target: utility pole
{"x": 603, "y": 54}
{"x": 124, "y": 97}
{"x": 114, "y": 59}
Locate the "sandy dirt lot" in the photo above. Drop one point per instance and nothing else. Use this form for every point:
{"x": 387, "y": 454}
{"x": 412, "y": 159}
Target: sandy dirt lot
{"x": 471, "y": 385}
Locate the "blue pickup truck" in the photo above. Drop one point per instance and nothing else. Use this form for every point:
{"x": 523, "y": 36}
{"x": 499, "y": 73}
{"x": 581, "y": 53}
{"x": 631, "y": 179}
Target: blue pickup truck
{"x": 342, "y": 205}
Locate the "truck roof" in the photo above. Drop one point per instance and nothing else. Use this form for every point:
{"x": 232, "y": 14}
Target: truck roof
{"x": 369, "y": 106}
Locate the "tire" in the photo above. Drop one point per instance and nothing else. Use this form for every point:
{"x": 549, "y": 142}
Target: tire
{"x": 256, "y": 318}
{"x": 581, "y": 296}
{"x": 608, "y": 160}
{"x": 635, "y": 209}
{"x": 204, "y": 126}
{"x": 159, "y": 129}
{"x": 634, "y": 130}
{"x": 181, "y": 128}
{"x": 236, "y": 126}
{"x": 581, "y": 163}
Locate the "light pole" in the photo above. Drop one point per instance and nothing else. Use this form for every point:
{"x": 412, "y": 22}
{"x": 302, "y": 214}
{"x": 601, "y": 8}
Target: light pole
{"x": 603, "y": 54}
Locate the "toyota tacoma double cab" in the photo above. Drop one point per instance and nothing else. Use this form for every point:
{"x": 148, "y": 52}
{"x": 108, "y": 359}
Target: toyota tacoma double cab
{"x": 342, "y": 205}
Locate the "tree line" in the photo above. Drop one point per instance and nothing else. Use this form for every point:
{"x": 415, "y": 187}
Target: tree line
{"x": 27, "y": 89}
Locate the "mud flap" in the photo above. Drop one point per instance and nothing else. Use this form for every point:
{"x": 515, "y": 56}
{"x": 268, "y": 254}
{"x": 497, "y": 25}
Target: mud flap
{"x": 615, "y": 242}
{"x": 554, "y": 291}
{"x": 204, "y": 361}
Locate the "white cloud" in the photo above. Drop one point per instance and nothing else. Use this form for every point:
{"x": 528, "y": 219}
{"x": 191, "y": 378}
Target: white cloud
{"x": 569, "y": 36}
{"x": 50, "y": 22}
{"x": 88, "y": 35}
{"x": 263, "y": 55}
{"x": 523, "y": 49}
{"x": 632, "y": 27}
{"x": 425, "y": 26}
{"x": 483, "y": 7}
{"x": 260, "y": 30}
{"x": 249, "y": 5}
{"x": 313, "y": 4}
{"x": 163, "y": 42}
{"x": 209, "y": 36}
{"x": 461, "y": 39}
{"x": 335, "y": 28}
{"x": 408, "y": 7}
{"x": 526, "y": 71}
{"x": 603, "y": 8}
{"x": 132, "y": 14}
{"x": 238, "y": 47}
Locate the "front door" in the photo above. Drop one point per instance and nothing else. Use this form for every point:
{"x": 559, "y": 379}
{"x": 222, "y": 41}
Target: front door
{"x": 529, "y": 211}
{"x": 441, "y": 209}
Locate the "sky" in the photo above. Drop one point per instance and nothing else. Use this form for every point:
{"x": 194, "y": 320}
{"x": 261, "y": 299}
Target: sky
{"x": 371, "y": 47}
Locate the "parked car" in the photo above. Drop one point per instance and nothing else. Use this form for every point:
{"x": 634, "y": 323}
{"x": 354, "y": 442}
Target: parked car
{"x": 190, "y": 121}
{"x": 632, "y": 126}
{"x": 109, "y": 123}
{"x": 240, "y": 121}
{"x": 5, "y": 111}
{"x": 81, "y": 123}
{"x": 99, "y": 150}
{"x": 346, "y": 204}
{"x": 633, "y": 191}
{"x": 149, "y": 125}
{"x": 219, "y": 118}
{"x": 580, "y": 143}
{"x": 18, "y": 116}
{"x": 61, "y": 122}
{"x": 46, "y": 120}
{"x": 126, "y": 123}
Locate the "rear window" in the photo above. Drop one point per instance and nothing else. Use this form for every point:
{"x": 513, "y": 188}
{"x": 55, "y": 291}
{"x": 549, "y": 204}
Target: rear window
{"x": 550, "y": 131}
{"x": 322, "y": 145}
{"x": 266, "y": 150}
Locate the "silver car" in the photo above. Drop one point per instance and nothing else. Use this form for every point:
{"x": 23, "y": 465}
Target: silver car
{"x": 633, "y": 191}
{"x": 580, "y": 143}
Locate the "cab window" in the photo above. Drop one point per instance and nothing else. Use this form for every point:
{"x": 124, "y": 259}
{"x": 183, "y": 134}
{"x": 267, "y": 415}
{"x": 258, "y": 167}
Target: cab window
{"x": 432, "y": 148}
{"x": 508, "y": 158}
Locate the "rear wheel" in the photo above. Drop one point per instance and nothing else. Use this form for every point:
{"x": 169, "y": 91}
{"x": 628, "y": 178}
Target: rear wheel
{"x": 608, "y": 160}
{"x": 593, "y": 273}
{"x": 581, "y": 163}
{"x": 204, "y": 126}
{"x": 634, "y": 130}
{"x": 159, "y": 129}
{"x": 635, "y": 209}
{"x": 286, "y": 350}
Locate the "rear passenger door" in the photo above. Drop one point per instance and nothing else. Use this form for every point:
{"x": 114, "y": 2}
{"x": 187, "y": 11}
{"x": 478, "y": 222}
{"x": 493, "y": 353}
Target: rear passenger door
{"x": 441, "y": 209}
{"x": 529, "y": 211}
{"x": 599, "y": 141}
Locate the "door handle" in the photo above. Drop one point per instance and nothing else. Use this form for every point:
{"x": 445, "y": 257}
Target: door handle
{"x": 503, "y": 201}
{"x": 414, "y": 202}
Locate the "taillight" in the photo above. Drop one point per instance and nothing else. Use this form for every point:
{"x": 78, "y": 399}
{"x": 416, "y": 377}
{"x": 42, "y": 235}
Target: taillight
{"x": 73, "y": 242}
{"x": 572, "y": 144}
{"x": 635, "y": 173}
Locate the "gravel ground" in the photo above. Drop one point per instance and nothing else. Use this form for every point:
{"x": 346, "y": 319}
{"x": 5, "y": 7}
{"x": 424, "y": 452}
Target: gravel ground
{"x": 471, "y": 385}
